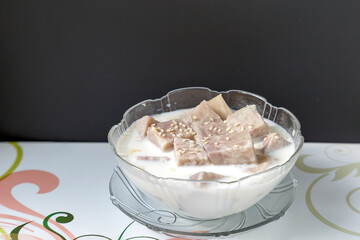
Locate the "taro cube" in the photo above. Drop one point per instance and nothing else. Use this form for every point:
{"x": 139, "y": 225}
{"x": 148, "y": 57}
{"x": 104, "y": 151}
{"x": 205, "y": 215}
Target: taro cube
{"x": 142, "y": 125}
{"x": 219, "y": 106}
{"x": 162, "y": 134}
{"x": 160, "y": 138}
{"x": 205, "y": 121}
{"x": 152, "y": 158}
{"x": 178, "y": 128}
{"x": 187, "y": 152}
{"x": 206, "y": 176}
{"x": 235, "y": 148}
{"x": 272, "y": 142}
{"x": 263, "y": 162}
{"x": 248, "y": 119}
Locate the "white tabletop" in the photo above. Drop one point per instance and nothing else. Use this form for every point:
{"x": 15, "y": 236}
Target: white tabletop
{"x": 45, "y": 178}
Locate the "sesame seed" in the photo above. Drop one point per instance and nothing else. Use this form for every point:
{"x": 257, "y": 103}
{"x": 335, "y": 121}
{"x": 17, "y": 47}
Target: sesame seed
{"x": 163, "y": 135}
{"x": 276, "y": 137}
{"x": 195, "y": 117}
{"x": 180, "y": 135}
{"x": 206, "y": 123}
{"x": 242, "y": 128}
{"x": 173, "y": 135}
{"x": 210, "y": 128}
{"x": 192, "y": 145}
{"x": 227, "y": 139}
{"x": 225, "y": 121}
{"x": 219, "y": 130}
{"x": 172, "y": 124}
{"x": 176, "y": 127}
{"x": 153, "y": 125}
{"x": 209, "y": 135}
{"x": 216, "y": 143}
{"x": 180, "y": 130}
{"x": 231, "y": 131}
{"x": 228, "y": 129}
{"x": 250, "y": 127}
{"x": 236, "y": 146}
{"x": 192, "y": 141}
{"x": 211, "y": 119}
{"x": 205, "y": 143}
{"x": 215, "y": 128}
{"x": 162, "y": 130}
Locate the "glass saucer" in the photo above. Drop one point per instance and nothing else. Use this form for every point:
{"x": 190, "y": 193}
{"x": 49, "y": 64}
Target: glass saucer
{"x": 157, "y": 217}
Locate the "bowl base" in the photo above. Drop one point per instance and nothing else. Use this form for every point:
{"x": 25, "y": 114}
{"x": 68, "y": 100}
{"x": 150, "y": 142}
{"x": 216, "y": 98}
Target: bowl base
{"x": 157, "y": 217}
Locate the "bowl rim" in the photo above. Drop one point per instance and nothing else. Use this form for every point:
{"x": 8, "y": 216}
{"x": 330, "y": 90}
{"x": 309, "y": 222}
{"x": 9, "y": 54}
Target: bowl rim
{"x": 266, "y": 103}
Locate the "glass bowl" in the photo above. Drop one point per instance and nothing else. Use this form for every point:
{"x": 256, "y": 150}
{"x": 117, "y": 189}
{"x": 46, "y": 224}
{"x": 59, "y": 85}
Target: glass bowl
{"x": 211, "y": 199}
{"x": 157, "y": 217}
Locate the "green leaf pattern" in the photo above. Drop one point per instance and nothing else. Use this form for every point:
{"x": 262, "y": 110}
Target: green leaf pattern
{"x": 14, "y": 234}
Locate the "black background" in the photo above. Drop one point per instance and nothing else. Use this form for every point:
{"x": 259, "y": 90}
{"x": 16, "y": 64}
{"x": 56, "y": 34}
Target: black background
{"x": 69, "y": 69}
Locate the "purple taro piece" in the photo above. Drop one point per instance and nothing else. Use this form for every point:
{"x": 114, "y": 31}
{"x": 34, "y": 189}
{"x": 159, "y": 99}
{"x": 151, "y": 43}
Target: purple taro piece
{"x": 263, "y": 162}
{"x": 248, "y": 119}
{"x": 162, "y": 134}
{"x": 205, "y": 121}
{"x": 219, "y": 106}
{"x": 230, "y": 148}
{"x": 142, "y": 125}
{"x": 187, "y": 152}
{"x": 206, "y": 176}
{"x": 272, "y": 142}
{"x": 152, "y": 158}
{"x": 161, "y": 139}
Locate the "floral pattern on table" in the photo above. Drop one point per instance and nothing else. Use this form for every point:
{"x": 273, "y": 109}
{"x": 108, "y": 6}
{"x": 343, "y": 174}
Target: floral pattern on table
{"x": 343, "y": 176}
{"x": 19, "y": 228}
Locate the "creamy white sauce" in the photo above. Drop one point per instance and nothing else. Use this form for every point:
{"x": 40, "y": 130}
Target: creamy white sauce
{"x": 131, "y": 145}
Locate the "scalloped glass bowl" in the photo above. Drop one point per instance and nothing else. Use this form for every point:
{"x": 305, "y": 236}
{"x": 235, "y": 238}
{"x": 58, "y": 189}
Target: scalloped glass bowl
{"x": 207, "y": 199}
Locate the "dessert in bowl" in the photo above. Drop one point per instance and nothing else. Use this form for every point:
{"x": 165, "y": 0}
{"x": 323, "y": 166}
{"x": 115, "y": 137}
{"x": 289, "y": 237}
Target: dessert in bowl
{"x": 206, "y": 154}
